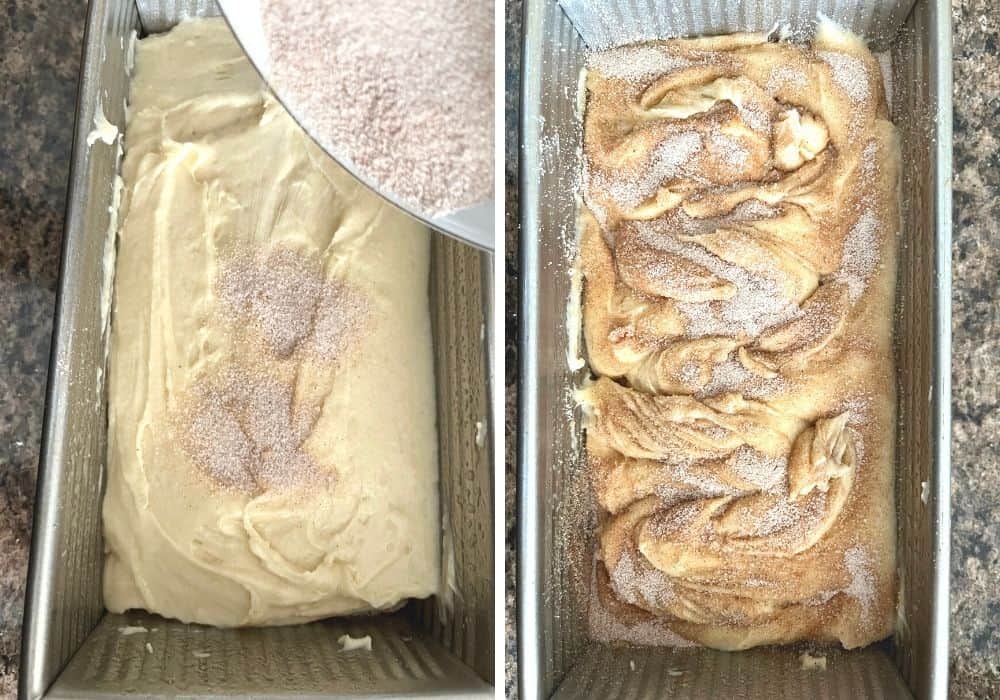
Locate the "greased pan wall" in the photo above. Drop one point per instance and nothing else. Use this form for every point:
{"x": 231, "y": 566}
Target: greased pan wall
{"x": 555, "y": 656}
{"x": 73, "y": 649}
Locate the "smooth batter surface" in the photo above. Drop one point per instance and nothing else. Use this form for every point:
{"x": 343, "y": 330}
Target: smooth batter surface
{"x": 272, "y": 449}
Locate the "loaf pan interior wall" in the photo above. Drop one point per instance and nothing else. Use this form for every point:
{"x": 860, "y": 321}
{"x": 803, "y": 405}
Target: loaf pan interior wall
{"x": 556, "y": 655}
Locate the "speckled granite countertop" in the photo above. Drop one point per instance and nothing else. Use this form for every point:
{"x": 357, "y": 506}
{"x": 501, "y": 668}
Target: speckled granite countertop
{"x": 39, "y": 58}
{"x": 40, "y": 51}
{"x": 975, "y": 488}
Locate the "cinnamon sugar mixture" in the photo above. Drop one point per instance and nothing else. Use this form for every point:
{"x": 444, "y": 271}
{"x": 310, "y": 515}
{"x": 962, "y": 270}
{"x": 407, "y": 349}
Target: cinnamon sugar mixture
{"x": 286, "y": 296}
{"x": 242, "y": 431}
{"x": 403, "y": 89}
{"x": 737, "y": 248}
{"x": 240, "y": 428}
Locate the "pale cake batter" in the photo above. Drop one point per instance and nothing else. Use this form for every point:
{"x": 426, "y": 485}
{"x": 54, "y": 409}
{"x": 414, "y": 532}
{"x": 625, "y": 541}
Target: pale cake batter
{"x": 738, "y": 251}
{"x": 272, "y": 448}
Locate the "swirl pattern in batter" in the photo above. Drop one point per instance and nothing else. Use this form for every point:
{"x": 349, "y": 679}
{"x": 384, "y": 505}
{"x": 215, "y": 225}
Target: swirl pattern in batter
{"x": 738, "y": 246}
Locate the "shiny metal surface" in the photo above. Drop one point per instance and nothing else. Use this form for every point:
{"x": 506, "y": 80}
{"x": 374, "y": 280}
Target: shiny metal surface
{"x": 73, "y": 648}
{"x": 696, "y": 674}
{"x": 63, "y": 601}
{"x": 922, "y": 109}
{"x": 170, "y": 658}
{"x": 606, "y": 24}
{"x": 555, "y": 656}
{"x": 551, "y": 635}
{"x": 160, "y": 15}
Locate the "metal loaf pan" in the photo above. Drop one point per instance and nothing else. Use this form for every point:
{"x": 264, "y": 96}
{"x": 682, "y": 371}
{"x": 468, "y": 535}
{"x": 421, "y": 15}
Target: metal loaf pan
{"x": 73, "y": 648}
{"x": 556, "y": 658}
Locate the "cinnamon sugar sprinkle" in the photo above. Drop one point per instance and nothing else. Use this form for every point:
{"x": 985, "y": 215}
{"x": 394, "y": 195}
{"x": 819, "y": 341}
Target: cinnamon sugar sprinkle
{"x": 783, "y": 76}
{"x": 668, "y": 160}
{"x": 287, "y": 298}
{"x": 733, "y": 153}
{"x": 731, "y": 375}
{"x": 766, "y": 473}
{"x": 636, "y": 64}
{"x": 860, "y": 255}
{"x": 241, "y": 426}
{"x": 403, "y": 89}
{"x": 638, "y": 583}
{"x": 786, "y": 519}
{"x": 862, "y": 585}
{"x": 605, "y": 625}
{"x": 242, "y": 431}
{"x": 756, "y": 305}
{"x": 849, "y": 74}
{"x": 776, "y": 303}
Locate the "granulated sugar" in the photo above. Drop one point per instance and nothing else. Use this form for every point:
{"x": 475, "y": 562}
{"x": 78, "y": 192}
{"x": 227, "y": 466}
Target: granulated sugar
{"x": 783, "y": 76}
{"x": 683, "y": 154}
{"x": 732, "y": 376}
{"x": 690, "y": 372}
{"x": 604, "y": 625}
{"x": 786, "y": 514}
{"x": 766, "y": 473}
{"x": 755, "y": 116}
{"x": 640, "y": 584}
{"x": 858, "y": 409}
{"x": 401, "y": 89}
{"x": 278, "y": 295}
{"x": 869, "y": 160}
{"x": 700, "y": 483}
{"x": 733, "y": 153}
{"x": 751, "y": 210}
{"x": 240, "y": 428}
{"x": 676, "y": 519}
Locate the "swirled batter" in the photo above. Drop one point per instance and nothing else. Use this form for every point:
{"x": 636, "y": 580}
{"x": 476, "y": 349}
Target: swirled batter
{"x": 738, "y": 250}
{"x": 272, "y": 449}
